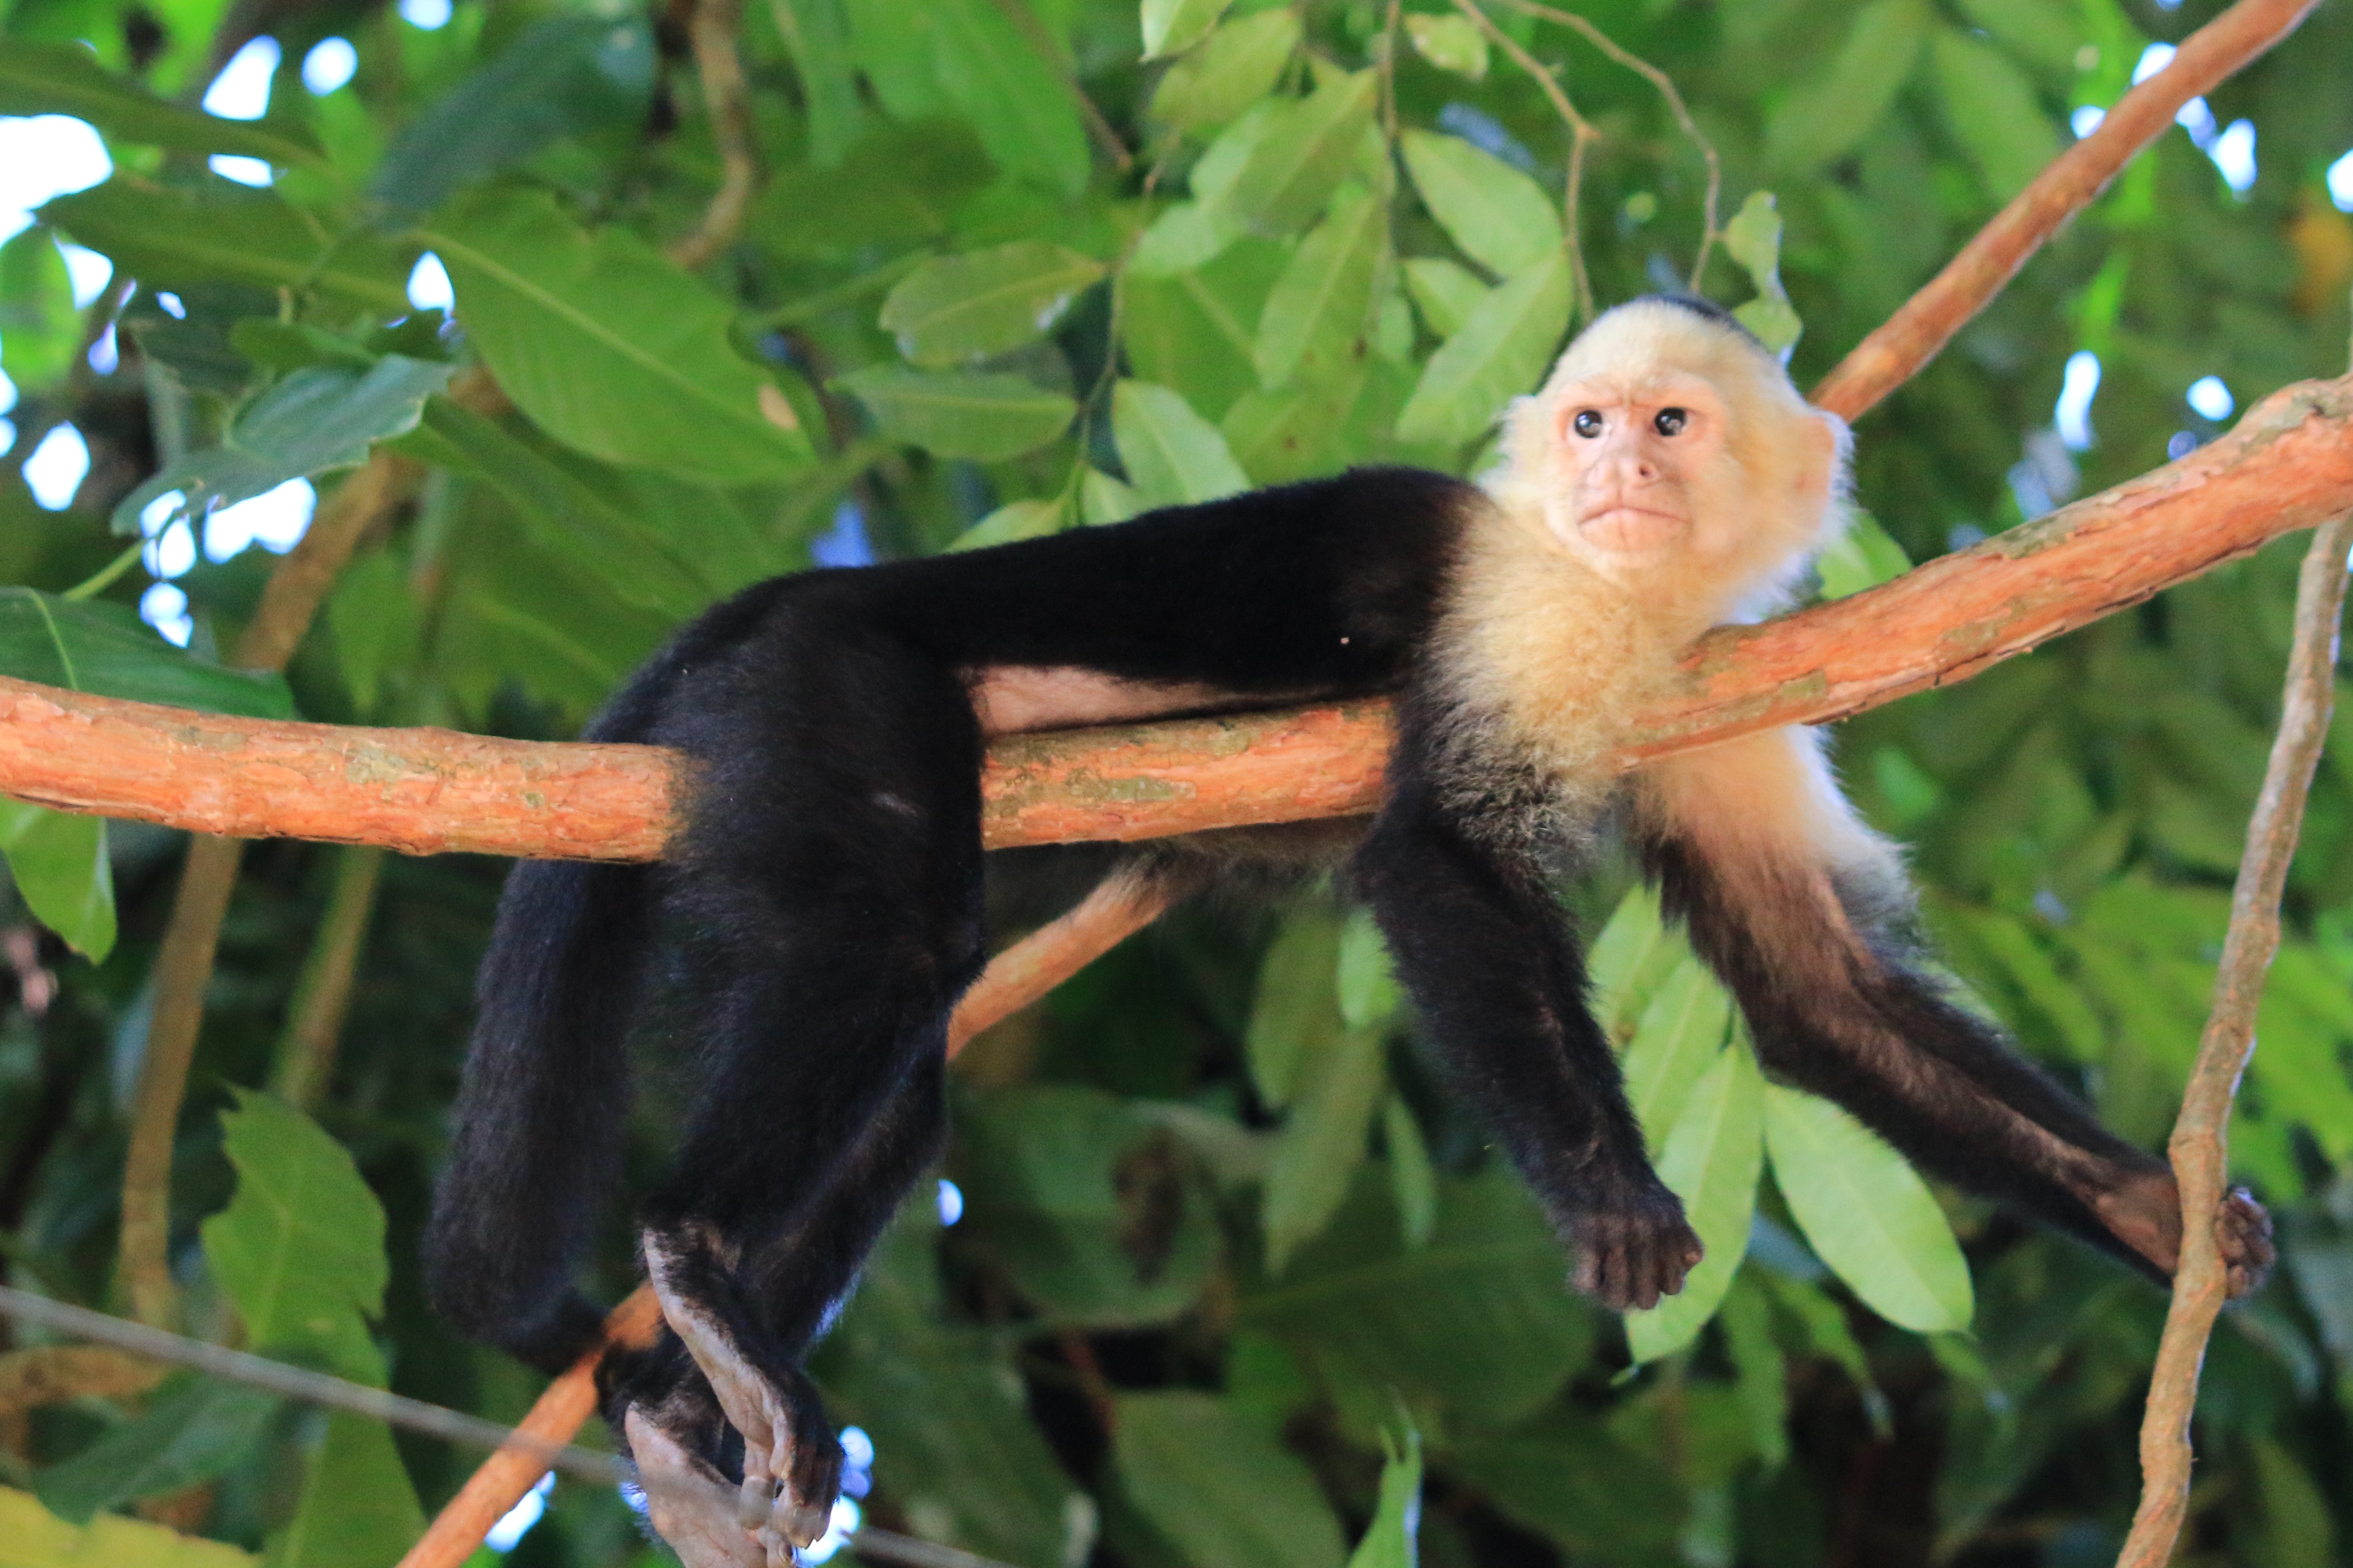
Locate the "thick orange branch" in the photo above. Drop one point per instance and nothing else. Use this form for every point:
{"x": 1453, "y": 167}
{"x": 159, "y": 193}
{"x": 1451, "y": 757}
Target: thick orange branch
{"x": 2289, "y": 466}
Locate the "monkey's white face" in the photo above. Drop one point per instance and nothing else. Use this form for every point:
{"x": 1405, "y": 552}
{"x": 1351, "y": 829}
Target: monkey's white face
{"x": 1638, "y": 458}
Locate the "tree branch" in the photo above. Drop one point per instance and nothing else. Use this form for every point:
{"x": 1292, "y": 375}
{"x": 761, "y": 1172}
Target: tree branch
{"x": 2199, "y": 1146}
{"x": 1912, "y": 337}
{"x": 727, "y": 100}
{"x": 2287, "y": 465}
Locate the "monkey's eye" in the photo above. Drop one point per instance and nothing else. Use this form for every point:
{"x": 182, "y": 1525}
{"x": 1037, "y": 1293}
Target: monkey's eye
{"x": 1671, "y": 421}
{"x": 1586, "y": 424}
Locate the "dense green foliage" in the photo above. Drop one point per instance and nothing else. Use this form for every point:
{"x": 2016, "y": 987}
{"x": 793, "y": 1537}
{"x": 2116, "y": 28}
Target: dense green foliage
{"x": 1223, "y": 1246}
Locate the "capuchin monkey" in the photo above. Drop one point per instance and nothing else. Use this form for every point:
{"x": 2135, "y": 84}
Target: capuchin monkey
{"x": 824, "y": 889}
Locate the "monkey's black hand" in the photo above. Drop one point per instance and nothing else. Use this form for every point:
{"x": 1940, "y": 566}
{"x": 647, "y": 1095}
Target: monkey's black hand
{"x": 2243, "y": 1232}
{"x": 2145, "y": 1213}
{"x": 1634, "y": 1250}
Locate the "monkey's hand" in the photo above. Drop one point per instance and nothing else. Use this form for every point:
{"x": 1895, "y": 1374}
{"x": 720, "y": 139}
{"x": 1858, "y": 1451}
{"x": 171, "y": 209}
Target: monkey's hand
{"x": 786, "y": 1492}
{"x": 2146, "y": 1215}
{"x": 1633, "y": 1250}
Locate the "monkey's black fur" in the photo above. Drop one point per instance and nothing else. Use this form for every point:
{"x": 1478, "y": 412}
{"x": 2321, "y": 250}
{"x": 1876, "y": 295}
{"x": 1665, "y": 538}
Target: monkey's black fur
{"x": 824, "y": 892}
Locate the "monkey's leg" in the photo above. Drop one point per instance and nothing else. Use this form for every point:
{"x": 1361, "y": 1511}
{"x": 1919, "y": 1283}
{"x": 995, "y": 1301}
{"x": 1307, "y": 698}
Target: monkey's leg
{"x": 1485, "y": 957}
{"x": 699, "y": 1418}
{"x": 1801, "y": 910}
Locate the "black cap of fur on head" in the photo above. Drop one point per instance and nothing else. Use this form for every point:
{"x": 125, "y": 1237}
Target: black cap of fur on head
{"x": 1706, "y": 309}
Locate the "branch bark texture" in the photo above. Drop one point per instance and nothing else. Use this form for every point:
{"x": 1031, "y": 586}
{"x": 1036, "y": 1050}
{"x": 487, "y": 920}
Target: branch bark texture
{"x": 2200, "y": 1146}
{"x": 1909, "y": 339}
{"x": 2289, "y": 466}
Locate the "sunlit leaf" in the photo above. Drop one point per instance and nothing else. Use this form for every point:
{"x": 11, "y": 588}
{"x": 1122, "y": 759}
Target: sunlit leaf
{"x": 1753, "y": 238}
{"x": 64, "y": 79}
{"x": 1861, "y": 556}
{"x": 1297, "y": 1014}
{"x": 358, "y": 1508}
{"x": 41, "y": 331}
{"x": 1235, "y": 68}
{"x": 1369, "y": 990}
{"x": 1172, "y": 454}
{"x": 1500, "y": 218}
{"x": 1713, "y": 1157}
{"x": 961, "y": 308}
{"x": 1679, "y": 1039}
{"x": 2048, "y": 36}
{"x": 312, "y": 423}
{"x": 610, "y": 348}
{"x": 57, "y": 860}
{"x": 1867, "y": 1214}
{"x": 1303, "y": 156}
{"x": 1103, "y": 498}
{"x": 1296, "y": 433}
{"x": 1015, "y": 99}
{"x": 1499, "y": 353}
{"x": 961, "y": 413}
{"x": 1630, "y": 957}
{"x": 1451, "y": 43}
{"x": 1320, "y": 308}
{"x": 1333, "y": 1100}
{"x": 1444, "y": 291}
{"x": 1393, "y": 1539}
{"x": 1195, "y": 329}
{"x": 1014, "y": 520}
{"x": 39, "y": 1539}
{"x": 1216, "y": 1482}
{"x": 1172, "y": 27}
{"x": 1413, "y": 1181}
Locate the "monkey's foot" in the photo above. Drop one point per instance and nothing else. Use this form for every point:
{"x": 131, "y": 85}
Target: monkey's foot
{"x": 1630, "y": 1254}
{"x": 2145, "y": 1215}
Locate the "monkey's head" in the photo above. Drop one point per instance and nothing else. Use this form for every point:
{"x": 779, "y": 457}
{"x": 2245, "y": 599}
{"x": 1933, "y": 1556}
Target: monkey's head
{"x": 1669, "y": 452}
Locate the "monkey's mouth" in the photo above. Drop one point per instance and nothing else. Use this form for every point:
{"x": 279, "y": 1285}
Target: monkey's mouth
{"x": 1631, "y": 530}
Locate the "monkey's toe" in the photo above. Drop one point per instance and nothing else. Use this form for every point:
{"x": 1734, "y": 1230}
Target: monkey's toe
{"x": 688, "y": 1505}
{"x": 2242, "y": 1230}
{"x": 1630, "y": 1258}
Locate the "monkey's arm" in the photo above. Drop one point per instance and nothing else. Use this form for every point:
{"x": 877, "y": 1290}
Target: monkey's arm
{"x": 1801, "y": 910}
{"x": 1482, "y": 950}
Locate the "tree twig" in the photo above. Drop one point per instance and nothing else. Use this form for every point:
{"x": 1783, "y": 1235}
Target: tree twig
{"x": 305, "y": 1058}
{"x": 2200, "y": 1144}
{"x": 1581, "y": 135}
{"x": 298, "y": 585}
{"x": 727, "y": 100}
{"x": 2288, "y": 465}
{"x": 1711, "y": 230}
{"x": 1895, "y": 352}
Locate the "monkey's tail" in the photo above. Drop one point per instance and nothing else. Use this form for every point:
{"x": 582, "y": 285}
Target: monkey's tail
{"x": 539, "y": 1110}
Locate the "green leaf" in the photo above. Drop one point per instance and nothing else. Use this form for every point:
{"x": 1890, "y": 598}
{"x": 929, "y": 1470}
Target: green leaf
{"x": 1320, "y": 308}
{"x": 1498, "y": 216}
{"x": 1713, "y": 1158}
{"x": 1993, "y": 112}
{"x": 1477, "y": 1320}
{"x": 168, "y": 235}
{"x": 375, "y": 624}
{"x": 611, "y": 348}
{"x": 1680, "y": 1038}
{"x": 312, "y": 423}
{"x": 898, "y": 185}
{"x": 1369, "y": 990}
{"x": 2297, "y": 1528}
{"x": 1567, "y": 1477}
{"x": 568, "y": 512}
{"x": 1829, "y": 115}
{"x": 1298, "y": 432}
{"x": 358, "y": 1508}
{"x": 954, "y": 1444}
{"x": 1451, "y": 43}
{"x": 1172, "y": 454}
{"x": 58, "y": 862}
{"x": 961, "y": 413}
{"x": 1297, "y": 1014}
{"x": 39, "y": 1539}
{"x": 818, "y": 34}
{"x": 1213, "y": 1481}
{"x": 961, "y": 308}
{"x": 1094, "y": 1211}
{"x": 1392, "y": 1539}
{"x": 891, "y": 42}
{"x": 2048, "y": 36}
{"x": 560, "y": 76}
{"x": 1195, "y": 331}
{"x": 1445, "y": 292}
{"x": 1753, "y": 238}
{"x": 1630, "y": 957}
{"x": 1861, "y": 556}
{"x": 193, "y": 1432}
{"x": 1237, "y": 66}
{"x": 1015, "y": 519}
{"x": 65, "y": 79}
{"x": 1499, "y": 353}
{"x": 1018, "y": 102}
{"x": 1413, "y": 1181}
{"x": 1760, "y": 1373}
{"x": 1172, "y": 27}
{"x": 104, "y": 649}
{"x": 1333, "y": 1102}
{"x": 1103, "y": 498}
{"x": 1867, "y": 1214}
{"x": 1301, "y": 154}
{"x": 300, "y": 1249}
{"x": 41, "y": 331}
